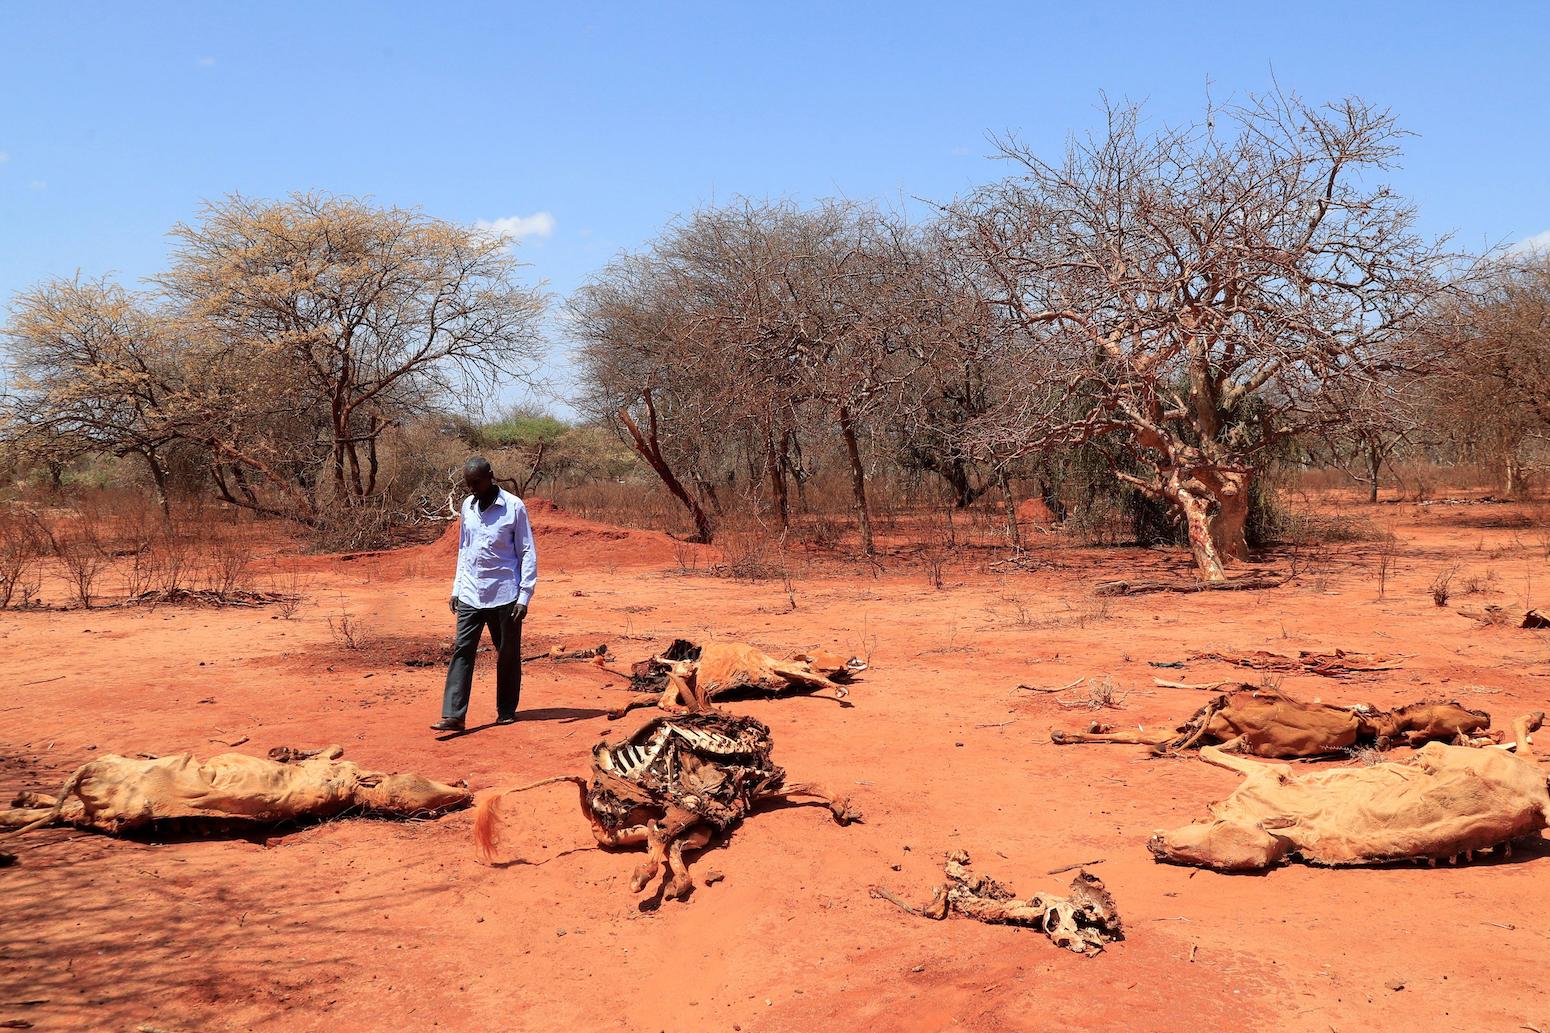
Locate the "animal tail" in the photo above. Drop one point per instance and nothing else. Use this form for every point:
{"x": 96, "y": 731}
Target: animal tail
{"x": 65, "y": 792}
{"x": 487, "y": 817}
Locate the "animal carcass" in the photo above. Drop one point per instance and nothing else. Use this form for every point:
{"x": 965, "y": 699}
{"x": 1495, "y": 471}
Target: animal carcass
{"x": 673, "y": 785}
{"x": 1082, "y": 922}
{"x": 1440, "y": 802}
{"x": 687, "y": 677}
{"x": 1266, "y": 722}
{"x": 117, "y": 794}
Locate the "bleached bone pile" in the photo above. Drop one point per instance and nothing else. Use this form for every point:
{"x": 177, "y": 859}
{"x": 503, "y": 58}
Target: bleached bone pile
{"x": 1082, "y": 921}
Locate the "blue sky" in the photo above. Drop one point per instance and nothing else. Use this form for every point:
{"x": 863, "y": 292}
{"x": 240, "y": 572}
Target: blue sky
{"x": 593, "y": 126}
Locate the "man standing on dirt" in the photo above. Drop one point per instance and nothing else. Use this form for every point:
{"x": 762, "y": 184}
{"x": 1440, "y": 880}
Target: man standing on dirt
{"x": 497, "y": 569}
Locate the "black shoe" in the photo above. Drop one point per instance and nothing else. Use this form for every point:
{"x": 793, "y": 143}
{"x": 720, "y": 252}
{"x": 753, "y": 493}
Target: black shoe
{"x": 506, "y": 719}
{"x": 447, "y": 724}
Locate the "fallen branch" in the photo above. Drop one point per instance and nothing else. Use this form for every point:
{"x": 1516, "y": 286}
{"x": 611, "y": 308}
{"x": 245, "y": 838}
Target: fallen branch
{"x": 1243, "y": 584}
{"x": 1058, "y": 688}
{"x": 1072, "y": 867}
{"x": 1208, "y": 686}
{"x": 233, "y": 743}
{"x": 1500, "y": 617}
{"x": 204, "y": 597}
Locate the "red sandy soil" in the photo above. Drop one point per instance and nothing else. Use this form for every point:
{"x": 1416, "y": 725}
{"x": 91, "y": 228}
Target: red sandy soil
{"x": 379, "y": 925}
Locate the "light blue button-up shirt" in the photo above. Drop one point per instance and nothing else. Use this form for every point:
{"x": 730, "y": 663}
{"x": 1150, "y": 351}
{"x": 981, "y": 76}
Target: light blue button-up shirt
{"x": 496, "y": 561}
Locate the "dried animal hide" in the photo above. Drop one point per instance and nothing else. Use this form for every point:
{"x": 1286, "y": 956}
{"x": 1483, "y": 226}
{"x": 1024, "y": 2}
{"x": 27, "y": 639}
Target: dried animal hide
{"x": 1082, "y": 922}
{"x": 1265, "y": 722}
{"x": 1338, "y": 664}
{"x": 1438, "y": 803}
{"x": 687, "y": 677}
{"x": 673, "y": 785}
{"x": 117, "y": 794}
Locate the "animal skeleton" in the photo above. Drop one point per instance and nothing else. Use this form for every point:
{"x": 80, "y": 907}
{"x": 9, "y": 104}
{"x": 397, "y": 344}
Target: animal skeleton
{"x": 1440, "y": 802}
{"x": 116, "y": 794}
{"x": 1082, "y": 922}
{"x": 687, "y": 677}
{"x": 1266, "y": 722}
{"x": 673, "y": 785}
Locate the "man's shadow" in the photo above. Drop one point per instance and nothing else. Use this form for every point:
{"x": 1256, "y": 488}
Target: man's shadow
{"x": 565, "y": 715}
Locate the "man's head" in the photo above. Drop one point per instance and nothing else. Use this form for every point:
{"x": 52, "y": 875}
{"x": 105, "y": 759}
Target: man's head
{"x": 479, "y": 477}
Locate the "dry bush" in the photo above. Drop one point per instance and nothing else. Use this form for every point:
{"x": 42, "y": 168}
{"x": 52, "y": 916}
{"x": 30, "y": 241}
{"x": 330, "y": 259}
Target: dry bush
{"x": 76, "y": 544}
{"x": 749, "y": 551}
{"x": 346, "y": 631}
{"x": 1480, "y": 584}
{"x": 1442, "y": 585}
{"x": 1302, "y": 527}
{"x": 1388, "y": 550}
{"x": 226, "y": 565}
{"x": 286, "y": 587}
{"x": 172, "y": 560}
{"x": 354, "y": 528}
{"x": 22, "y": 548}
{"x": 1100, "y": 694}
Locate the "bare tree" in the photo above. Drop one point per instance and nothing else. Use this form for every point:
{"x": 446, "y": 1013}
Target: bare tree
{"x": 1195, "y": 294}
{"x": 1496, "y": 391}
{"x": 365, "y": 315}
{"x": 92, "y": 369}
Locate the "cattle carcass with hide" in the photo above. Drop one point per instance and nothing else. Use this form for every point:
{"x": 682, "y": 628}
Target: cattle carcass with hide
{"x": 1267, "y": 722}
{"x": 673, "y": 786}
{"x": 118, "y": 794}
{"x": 687, "y": 677}
{"x": 1438, "y": 803}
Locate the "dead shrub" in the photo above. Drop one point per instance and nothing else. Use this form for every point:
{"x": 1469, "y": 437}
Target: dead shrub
{"x": 286, "y": 588}
{"x": 22, "y": 548}
{"x": 749, "y": 552}
{"x": 1100, "y": 694}
{"x": 1388, "y": 552}
{"x": 1442, "y": 585}
{"x": 75, "y": 544}
{"x": 226, "y": 565}
{"x": 346, "y": 631}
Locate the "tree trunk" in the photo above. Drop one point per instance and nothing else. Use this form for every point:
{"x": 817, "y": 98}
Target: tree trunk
{"x": 159, "y": 476}
{"x": 798, "y": 472}
{"x": 1512, "y": 480}
{"x": 1215, "y": 507}
{"x": 774, "y": 466}
{"x": 1010, "y": 502}
{"x": 857, "y": 479}
{"x": 647, "y": 446}
{"x": 1374, "y": 464}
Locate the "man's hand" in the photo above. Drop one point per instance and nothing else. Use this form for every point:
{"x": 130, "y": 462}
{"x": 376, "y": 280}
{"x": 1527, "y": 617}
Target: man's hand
{"x": 519, "y": 611}
{"x": 452, "y": 604}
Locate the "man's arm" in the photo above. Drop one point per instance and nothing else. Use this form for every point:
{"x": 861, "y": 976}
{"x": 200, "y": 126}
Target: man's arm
{"x": 527, "y": 553}
{"x": 462, "y": 543}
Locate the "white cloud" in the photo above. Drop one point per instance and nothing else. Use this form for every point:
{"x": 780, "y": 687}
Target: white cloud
{"x": 206, "y": 62}
{"x": 1538, "y": 244}
{"x": 39, "y": 184}
{"x": 518, "y": 227}
{"x": 4, "y": 157}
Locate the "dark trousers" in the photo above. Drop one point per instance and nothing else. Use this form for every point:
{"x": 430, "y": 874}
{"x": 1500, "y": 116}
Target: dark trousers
{"x": 506, "y": 635}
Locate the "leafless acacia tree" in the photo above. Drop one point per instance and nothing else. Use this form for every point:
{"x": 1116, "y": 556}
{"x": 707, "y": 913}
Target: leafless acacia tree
{"x": 91, "y": 369}
{"x": 367, "y": 315}
{"x": 1495, "y": 394}
{"x": 747, "y": 323}
{"x": 1194, "y": 295}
